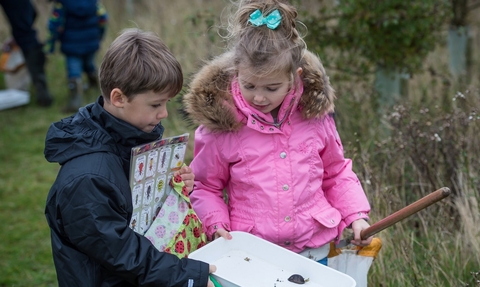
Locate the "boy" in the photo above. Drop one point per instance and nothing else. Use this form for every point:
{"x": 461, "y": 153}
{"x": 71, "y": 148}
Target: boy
{"x": 89, "y": 206}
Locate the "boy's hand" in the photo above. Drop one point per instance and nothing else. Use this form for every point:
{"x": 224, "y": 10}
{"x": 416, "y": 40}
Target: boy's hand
{"x": 357, "y": 226}
{"x": 211, "y": 269}
{"x": 187, "y": 177}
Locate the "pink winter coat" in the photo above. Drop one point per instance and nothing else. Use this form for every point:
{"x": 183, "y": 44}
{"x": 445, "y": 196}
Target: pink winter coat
{"x": 289, "y": 184}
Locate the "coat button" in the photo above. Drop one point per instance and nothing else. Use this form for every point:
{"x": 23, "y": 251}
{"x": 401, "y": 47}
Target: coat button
{"x": 332, "y": 221}
{"x": 285, "y": 187}
{"x": 283, "y": 154}
{"x": 271, "y": 129}
{"x": 287, "y": 218}
{"x": 254, "y": 121}
{"x": 287, "y": 243}
{"x": 261, "y": 127}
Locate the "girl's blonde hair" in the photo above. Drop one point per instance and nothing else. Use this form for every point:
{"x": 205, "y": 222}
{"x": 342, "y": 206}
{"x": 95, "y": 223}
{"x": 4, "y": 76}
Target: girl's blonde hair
{"x": 260, "y": 48}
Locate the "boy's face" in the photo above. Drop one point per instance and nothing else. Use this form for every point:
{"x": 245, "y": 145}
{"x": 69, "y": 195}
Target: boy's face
{"x": 144, "y": 111}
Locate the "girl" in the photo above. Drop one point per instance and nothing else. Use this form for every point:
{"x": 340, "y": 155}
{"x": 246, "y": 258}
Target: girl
{"x": 267, "y": 138}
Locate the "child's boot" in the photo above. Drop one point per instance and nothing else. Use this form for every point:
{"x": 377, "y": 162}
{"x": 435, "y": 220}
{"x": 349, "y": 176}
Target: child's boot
{"x": 76, "y": 94}
{"x": 92, "y": 80}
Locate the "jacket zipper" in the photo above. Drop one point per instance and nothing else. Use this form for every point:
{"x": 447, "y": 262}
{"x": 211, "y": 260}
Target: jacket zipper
{"x": 278, "y": 124}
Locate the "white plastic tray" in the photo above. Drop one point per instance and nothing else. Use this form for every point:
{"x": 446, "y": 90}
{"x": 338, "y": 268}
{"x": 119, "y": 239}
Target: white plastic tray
{"x": 249, "y": 261}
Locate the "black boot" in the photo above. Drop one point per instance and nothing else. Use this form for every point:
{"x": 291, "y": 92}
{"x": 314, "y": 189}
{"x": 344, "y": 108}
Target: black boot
{"x": 75, "y": 88}
{"x": 35, "y": 60}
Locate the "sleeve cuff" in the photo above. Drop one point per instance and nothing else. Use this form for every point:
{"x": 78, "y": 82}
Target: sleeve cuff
{"x": 355, "y": 216}
{"x": 213, "y": 228}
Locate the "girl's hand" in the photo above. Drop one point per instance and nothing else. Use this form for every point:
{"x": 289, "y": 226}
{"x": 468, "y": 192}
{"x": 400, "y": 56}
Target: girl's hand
{"x": 211, "y": 269}
{"x": 187, "y": 176}
{"x": 222, "y": 233}
{"x": 357, "y": 226}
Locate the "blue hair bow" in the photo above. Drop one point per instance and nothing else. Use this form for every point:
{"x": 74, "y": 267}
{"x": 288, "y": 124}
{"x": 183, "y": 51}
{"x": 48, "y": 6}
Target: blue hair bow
{"x": 272, "y": 20}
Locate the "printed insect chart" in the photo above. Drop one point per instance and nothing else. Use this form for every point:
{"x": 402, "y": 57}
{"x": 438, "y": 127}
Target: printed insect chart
{"x": 152, "y": 167}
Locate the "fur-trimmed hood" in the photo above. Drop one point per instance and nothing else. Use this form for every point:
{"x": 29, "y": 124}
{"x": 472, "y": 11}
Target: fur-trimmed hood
{"x": 210, "y": 103}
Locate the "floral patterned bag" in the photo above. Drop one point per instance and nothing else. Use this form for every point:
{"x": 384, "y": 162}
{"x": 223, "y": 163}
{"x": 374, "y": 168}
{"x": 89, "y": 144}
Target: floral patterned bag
{"x": 176, "y": 228}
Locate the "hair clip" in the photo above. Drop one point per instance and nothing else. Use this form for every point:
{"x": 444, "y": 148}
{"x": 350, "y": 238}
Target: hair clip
{"x": 272, "y": 20}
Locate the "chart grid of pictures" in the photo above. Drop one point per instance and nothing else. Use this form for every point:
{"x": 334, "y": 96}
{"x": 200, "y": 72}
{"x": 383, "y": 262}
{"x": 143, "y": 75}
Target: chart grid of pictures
{"x": 152, "y": 167}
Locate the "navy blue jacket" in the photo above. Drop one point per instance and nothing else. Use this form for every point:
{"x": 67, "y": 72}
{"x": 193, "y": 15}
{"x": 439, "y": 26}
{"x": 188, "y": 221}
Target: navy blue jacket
{"x": 89, "y": 208}
{"x": 79, "y": 25}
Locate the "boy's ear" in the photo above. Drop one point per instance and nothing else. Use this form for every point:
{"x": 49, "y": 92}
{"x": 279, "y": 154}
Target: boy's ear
{"x": 117, "y": 98}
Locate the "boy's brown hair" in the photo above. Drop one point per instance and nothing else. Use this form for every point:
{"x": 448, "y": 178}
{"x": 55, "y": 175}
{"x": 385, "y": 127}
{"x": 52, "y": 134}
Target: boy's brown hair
{"x": 137, "y": 62}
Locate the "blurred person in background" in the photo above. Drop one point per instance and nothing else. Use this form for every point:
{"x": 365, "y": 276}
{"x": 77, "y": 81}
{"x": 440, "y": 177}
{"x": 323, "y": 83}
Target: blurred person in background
{"x": 79, "y": 26}
{"x": 21, "y": 15}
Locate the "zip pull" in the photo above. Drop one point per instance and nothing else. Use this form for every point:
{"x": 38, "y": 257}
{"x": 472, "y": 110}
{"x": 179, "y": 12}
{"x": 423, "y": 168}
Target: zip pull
{"x": 276, "y": 124}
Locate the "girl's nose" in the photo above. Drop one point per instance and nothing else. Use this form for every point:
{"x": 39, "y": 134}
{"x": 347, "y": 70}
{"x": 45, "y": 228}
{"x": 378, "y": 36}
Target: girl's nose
{"x": 258, "y": 98}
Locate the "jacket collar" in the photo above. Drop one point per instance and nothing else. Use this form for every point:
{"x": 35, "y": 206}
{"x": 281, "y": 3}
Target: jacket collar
{"x": 92, "y": 130}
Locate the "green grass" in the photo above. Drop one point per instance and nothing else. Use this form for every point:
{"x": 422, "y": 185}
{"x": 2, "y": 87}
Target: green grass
{"x": 25, "y": 178}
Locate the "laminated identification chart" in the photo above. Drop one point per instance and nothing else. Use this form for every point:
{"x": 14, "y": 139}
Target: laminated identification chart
{"x": 152, "y": 167}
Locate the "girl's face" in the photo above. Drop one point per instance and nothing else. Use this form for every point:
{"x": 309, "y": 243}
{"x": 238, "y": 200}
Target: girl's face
{"x": 265, "y": 93}
{"x": 144, "y": 111}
